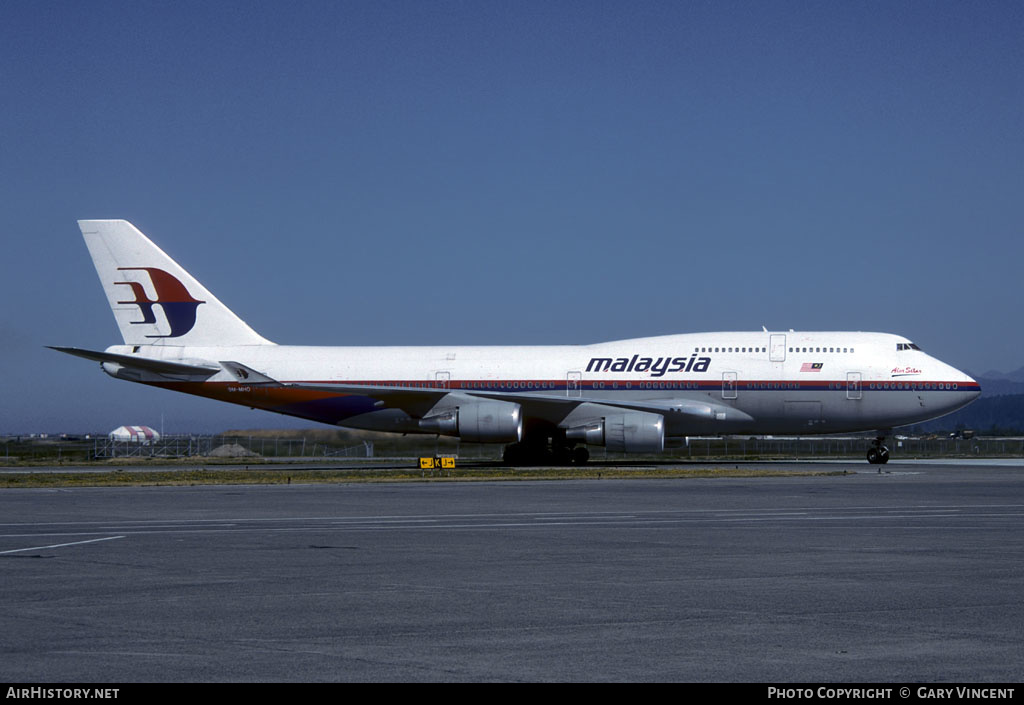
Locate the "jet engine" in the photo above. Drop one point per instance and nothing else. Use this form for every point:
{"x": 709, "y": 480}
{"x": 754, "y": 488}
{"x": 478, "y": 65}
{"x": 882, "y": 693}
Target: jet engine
{"x": 480, "y": 422}
{"x": 629, "y": 432}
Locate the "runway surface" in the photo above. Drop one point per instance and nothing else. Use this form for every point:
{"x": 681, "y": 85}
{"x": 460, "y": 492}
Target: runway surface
{"x": 913, "y": 574}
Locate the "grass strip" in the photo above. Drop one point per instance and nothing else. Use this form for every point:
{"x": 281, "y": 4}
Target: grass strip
{"x": 283, "y": 476}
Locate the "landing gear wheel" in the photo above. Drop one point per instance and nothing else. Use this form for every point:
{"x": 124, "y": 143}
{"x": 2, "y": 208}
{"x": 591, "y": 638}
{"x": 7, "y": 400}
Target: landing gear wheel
{"x": 514, "y": 454}
{"x": 527, "y": 455}
{"x": 878, "y": 455}
{"x": 561, "y": 455}
{"x": 544, "y": 447}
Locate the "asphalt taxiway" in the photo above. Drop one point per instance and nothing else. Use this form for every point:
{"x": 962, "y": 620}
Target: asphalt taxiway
{"x": 911, "y": 574}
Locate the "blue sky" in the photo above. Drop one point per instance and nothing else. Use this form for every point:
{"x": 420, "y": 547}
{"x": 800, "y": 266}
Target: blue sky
{"x": 509, "y": 172}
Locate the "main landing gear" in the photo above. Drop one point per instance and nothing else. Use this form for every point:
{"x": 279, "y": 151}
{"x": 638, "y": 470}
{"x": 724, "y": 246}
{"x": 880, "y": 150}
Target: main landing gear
{"x": 878, "y": 454}
{"x": 542, "y": 449}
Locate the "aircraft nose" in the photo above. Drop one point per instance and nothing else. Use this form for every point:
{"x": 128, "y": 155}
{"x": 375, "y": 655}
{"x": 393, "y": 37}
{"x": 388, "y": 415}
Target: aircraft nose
{"x": 972, "y": 392}
{"x": 966, "y": 388}
{"x": 972, "y": 386}
{"x": 965, "y": 383}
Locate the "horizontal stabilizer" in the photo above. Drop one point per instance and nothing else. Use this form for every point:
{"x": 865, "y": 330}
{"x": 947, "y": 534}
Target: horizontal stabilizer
{"x": 146, "y": 364}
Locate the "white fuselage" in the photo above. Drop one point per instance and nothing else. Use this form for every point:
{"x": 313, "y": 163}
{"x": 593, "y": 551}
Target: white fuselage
{"x": 790, "y": 382}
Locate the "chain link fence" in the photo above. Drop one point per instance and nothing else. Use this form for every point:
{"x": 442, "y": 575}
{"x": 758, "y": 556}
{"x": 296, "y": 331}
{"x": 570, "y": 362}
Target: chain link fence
{"x": 25, "y": 448}
{"x": 848, "y": 447}
{"x": 102, "y": 447}
{"x": 229, "y": 447}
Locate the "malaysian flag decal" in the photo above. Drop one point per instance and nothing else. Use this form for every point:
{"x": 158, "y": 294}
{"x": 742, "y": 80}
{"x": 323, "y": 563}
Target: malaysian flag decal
{"x": 811, "y": 367}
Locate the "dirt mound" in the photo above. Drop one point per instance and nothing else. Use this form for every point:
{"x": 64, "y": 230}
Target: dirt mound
{"x": 232, "y": 450}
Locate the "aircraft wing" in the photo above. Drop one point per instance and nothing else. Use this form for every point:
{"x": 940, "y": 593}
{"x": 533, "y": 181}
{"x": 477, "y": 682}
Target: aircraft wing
{"x": 705, "y": 410}
{"x": 417, "y": 401}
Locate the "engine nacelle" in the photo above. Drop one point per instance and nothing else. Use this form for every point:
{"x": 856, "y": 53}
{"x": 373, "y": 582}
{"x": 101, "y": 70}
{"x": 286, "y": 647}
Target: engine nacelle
{"x": 479, "y": 422}
{"x": 491, "y": 422}
{"x": 629, "y": 432}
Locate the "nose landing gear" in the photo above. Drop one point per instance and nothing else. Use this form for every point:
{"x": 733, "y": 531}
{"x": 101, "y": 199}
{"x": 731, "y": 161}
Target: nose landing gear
{"x": 878, "y": 454}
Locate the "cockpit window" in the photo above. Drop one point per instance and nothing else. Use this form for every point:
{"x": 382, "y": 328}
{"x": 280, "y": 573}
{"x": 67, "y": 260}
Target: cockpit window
{"x": 907, "y": 346}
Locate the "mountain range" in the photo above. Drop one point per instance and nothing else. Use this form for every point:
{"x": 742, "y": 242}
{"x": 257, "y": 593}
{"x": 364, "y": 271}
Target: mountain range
{"x": 995, "y": 383}
{"x": 999, "y": 410}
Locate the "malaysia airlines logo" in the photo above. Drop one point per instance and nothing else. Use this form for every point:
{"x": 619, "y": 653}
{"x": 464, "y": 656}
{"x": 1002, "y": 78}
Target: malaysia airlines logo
{"x": 171, "y": 296}
{"x": 655, "y": 366}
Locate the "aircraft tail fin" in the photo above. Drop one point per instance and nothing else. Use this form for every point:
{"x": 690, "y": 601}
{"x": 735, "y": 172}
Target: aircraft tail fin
{"x": 154, "y": 300}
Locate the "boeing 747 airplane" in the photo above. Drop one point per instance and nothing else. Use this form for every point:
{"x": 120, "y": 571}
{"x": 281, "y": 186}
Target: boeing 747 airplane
{"x": 546, "y": 403}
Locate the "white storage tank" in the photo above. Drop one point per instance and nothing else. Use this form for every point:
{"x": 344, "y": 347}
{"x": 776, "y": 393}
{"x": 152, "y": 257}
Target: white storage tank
{"x": 134, "y": 434}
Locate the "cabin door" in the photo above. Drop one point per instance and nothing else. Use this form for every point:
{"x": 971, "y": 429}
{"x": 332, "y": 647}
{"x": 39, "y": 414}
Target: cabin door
{"x": 573, "y": 384}
{"x": 442, "y": 379}
{"x": 853, "y": 385}
{"x": 729, "y": 385}
{"x": 777, "y": 347}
